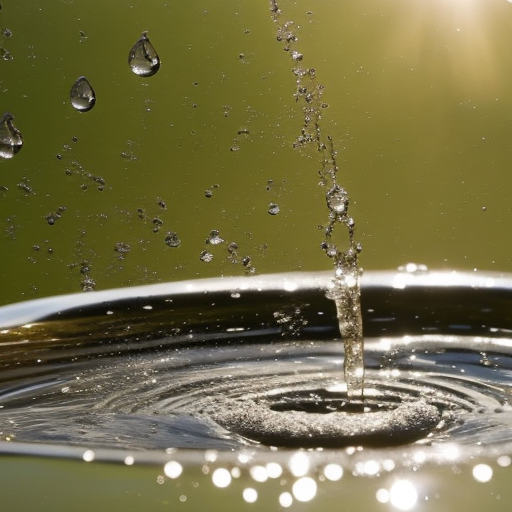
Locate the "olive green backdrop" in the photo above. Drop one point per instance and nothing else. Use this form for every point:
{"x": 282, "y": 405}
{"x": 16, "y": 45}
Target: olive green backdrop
{"x": 419, "y": 98}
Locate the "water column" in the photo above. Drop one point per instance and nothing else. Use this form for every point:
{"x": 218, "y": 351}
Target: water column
{"x": 345, "y": 287}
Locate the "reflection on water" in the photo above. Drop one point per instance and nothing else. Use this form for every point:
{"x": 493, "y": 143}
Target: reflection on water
{"x": 143, "y": 369}
{"x": 246, "y": 478}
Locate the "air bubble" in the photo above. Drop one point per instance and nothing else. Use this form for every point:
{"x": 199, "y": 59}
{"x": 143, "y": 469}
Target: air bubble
{"x": 82, "y": 95}
{"x": 11, "y": 140}
{"x": 143, "y": 59}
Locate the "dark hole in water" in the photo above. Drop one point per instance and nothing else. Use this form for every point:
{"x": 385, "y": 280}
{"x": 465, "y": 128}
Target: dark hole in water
{"x": 324, "y": 402}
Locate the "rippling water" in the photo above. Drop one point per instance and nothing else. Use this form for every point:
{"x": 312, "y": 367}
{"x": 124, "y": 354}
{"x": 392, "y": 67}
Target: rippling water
{"x": 151, "y": 367}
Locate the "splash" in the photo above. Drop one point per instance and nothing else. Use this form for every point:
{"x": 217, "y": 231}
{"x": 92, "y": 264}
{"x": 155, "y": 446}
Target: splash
{"x": 345, "y": 287}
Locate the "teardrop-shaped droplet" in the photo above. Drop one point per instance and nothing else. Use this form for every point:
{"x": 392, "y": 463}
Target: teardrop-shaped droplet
{"x": 10, "y": 137}
{"x": 82, "y": 95}
{"x": 143, "y": 59}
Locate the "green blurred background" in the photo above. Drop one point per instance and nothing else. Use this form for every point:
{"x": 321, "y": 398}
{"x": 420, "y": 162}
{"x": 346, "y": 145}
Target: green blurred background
{"x": 420, "y": 110}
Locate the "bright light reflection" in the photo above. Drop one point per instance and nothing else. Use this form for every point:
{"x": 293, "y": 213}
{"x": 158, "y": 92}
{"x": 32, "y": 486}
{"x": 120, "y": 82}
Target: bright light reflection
{"x": 299, "y": 464}
{"x": 274, "y": 470}
{"x": 370, "y": 468}
{"x": 285, "y": 500}
{"x": 221, "y": 477}
{"x": 403, "y": 495}
{"x": 88, "y": 456}
{"x": 259, "y": 473}
{"x": 211, "y": 455}
{"x": 250, "y": 495}
{"x": 173, "y": 469}
{"x": 451, "y": 452}
{"x": 382, "y": 496}
{"x": 333, "y": 472}
{"x": 244, "y": 458}
{"x": 482, "y": 473}
{"x": 504, "y": 460}
{"x": 420, "y": 457}
{"x": 388, "y": 464}
{"x": 304, "y": 489}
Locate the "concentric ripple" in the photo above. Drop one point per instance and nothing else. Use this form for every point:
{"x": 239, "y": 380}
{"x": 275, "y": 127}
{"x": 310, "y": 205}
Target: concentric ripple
{"x": 236, "y": 380}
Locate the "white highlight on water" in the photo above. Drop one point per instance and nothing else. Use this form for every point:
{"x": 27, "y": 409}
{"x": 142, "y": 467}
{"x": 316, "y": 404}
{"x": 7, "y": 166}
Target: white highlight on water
{"x": 221, "y": 477}
{"x": 482, "y": 473}
{"x": 304, "y": 489}
{"x": 173, "y": 469}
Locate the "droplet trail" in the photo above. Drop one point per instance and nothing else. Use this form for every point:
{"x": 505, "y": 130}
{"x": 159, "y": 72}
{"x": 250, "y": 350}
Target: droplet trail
{"x": 11, "y": 140}
{"x": 143, "y": 59}
{"x": 82, "y": 95}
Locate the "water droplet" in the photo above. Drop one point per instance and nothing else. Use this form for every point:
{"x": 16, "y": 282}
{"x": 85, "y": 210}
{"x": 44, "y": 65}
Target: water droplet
{"x": 82, "y": 95}
{"x": 143, "y": 59}
{"x": 157, "y": 224}
{"x": 10, "y": 137}
{"x": 232, "y": 247}
{"x": 337, "y": 200}
{"x": 206, "y": 256}
{"x": 214, "y": 238}
{"x": 172, "y": 239}
{"x": 122, "y": 249}
{"x": 297, "y": 56}
{"x": 88, "y": 284}
{"x": 273, "y": 209}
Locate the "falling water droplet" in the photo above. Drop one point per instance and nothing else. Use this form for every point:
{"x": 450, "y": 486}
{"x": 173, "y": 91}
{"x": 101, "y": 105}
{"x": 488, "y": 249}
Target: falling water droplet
{"x": 143, "y": 59}
{"x": 206, "y": 256}
{"x": 82, "y": 95}
{"x": 337, "y": 200}
{"x": 273, "y": 209}
{"x": 10, "y": 137}
{"x": 214, "y": 238}
{"x": 172, "y": 239}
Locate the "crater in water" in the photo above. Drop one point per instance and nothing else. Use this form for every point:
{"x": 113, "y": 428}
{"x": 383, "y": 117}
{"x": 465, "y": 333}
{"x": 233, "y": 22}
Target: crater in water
{"x": 180, "y": 364}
